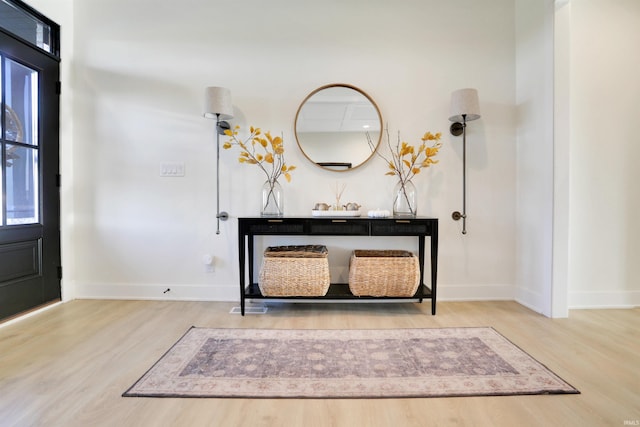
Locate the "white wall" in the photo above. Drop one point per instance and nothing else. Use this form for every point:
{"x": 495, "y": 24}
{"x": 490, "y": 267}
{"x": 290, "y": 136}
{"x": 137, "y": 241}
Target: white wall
{"x": 133, "y": 75}
{"x": 594, "y": 261}
{"x": 138, "y": 73}
{"x": 534, "y": 202}
{"x": 561, "y": 158}
{"x": 577, "y": 92}
{"x": 604, "y": 233}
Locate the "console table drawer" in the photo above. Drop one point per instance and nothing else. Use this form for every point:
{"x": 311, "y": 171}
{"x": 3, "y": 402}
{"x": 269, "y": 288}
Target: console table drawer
{"x": 339, "y": 227}
{"x": 276, "y": 226}
{"x": 401, "y": 228}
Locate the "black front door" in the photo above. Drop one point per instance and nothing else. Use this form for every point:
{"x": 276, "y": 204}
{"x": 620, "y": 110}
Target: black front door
{"x": 29, "y": 182}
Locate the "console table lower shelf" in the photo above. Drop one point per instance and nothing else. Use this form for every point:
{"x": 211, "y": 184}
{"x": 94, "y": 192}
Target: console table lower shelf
{"x": 337, "y": 291}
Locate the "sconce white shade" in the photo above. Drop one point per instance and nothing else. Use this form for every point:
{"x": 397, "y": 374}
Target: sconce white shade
{"x": 217, "y": 101}
{"x": 464, "y": 101}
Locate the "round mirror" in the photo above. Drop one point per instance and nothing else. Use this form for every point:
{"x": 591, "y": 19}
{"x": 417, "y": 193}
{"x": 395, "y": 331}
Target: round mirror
{"x": 332, "y": 124}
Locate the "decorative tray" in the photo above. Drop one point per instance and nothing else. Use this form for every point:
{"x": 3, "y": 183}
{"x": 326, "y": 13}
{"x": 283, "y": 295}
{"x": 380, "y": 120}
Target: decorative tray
{"x": 315, "y": 212}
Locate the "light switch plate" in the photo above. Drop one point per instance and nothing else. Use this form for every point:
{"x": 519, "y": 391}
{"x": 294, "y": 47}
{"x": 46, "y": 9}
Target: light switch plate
{"x": 172, "y": 169}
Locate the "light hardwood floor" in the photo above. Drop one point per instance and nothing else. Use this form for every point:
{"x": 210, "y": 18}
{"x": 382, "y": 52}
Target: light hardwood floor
{"x": 69, "y": 365}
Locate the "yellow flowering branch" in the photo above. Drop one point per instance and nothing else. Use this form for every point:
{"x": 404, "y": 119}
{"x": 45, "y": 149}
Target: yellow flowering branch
{"x": 263, "y": 150}
{"x": 406, "y": 160}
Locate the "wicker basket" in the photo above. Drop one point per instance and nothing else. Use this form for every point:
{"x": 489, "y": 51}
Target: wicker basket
{"x": 383, "y": 273}
{"x": 294, "y": 271}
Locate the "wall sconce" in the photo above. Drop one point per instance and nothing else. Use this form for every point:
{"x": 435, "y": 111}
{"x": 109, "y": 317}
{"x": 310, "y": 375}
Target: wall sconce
{"x": 217, "y": 105}
{"x": 464, "y": 108}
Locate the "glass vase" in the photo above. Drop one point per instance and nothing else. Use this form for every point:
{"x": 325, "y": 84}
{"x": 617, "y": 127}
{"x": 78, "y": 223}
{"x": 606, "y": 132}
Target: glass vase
{"x": 272, "y": 199}
{"x": 405, "y": 200}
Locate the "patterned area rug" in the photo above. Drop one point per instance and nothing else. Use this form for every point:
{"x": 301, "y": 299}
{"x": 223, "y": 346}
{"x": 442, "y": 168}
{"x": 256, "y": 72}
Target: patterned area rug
{"x": 366, "y": 363}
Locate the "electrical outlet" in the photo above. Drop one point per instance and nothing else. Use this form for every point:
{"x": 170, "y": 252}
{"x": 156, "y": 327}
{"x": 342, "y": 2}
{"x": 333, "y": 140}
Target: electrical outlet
{"x": 172, "y": 169}
{"x": 208, "y": 261}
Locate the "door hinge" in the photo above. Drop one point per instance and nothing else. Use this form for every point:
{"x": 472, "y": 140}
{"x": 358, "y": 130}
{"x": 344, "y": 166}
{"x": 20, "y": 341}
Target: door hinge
{"x": 58, "y": 180}
{"x": 60, "y": 272}
{"x": 58, "y": 88}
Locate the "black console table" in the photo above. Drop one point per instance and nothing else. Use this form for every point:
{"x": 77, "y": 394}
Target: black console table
{"x": 248, "y": 228}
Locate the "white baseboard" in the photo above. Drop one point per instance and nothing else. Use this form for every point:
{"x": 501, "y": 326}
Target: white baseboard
{"x": 176, "y": 292}
{"x": 474, "y": 292}
{"x": 597, "y": 299}
{"x": 532, "y": 300}
{"x": 180, "y": 292}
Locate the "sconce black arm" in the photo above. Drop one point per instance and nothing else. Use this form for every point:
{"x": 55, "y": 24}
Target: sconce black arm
{"x": 221, "y": 126}
{"x": 456, "y": 129}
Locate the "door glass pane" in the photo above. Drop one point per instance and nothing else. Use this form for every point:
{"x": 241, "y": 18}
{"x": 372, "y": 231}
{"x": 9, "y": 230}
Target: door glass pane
{"x": 25, "y": 25}
{"x": 21, "y": 103}
{"x": 19, "y": 144}
{"x": 22, "y": 185}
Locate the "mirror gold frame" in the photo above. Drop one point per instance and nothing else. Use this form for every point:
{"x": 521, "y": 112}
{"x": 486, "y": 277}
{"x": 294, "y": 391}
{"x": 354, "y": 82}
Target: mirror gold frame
{"x": 331, "y": 126}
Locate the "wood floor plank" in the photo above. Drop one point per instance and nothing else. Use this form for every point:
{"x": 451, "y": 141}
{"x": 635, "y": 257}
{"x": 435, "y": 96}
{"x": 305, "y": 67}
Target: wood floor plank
{"x": 69, "y": 365}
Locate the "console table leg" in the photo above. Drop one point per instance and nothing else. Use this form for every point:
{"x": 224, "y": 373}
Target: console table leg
{"x": 421, "y": 265}
{"x": 434, "y": 269}
{"x": 241, "y": 263}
